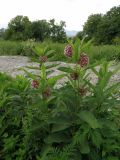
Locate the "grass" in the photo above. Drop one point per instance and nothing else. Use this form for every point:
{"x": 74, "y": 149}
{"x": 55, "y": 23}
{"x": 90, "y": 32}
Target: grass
{"x": 58, "y": 47}
{"x": 10, "y": 48}
{"x": 14, "y": 48}
{"x": 108, "y": 52}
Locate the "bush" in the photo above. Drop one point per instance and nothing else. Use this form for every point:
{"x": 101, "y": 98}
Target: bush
{"x": 107, "y": 52}
{"x": 116, "y": 41}
{"x": 78, "y": 121}
{"x": 57, "y": 47}
{"x": 15, "y": 48}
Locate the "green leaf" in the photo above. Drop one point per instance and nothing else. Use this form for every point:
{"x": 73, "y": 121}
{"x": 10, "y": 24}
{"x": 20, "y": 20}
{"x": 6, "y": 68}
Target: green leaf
{"x": 76, "y": 50}
{"x": 105, "y": 80}
{"x": 65, "y": 69}
{"x": 43, "y": 72}
{"x": 29, "y": 74}
{"x": 112, "y": 88}
{"x": 60, "y": 119}
{"x": 50, "y": 53}
{"x": 95, "y": 71}
{"x": 85, "y": 46}
{"x": 60, "y": 127}
{"x": 89, "y": 84}
{"x": 51, "y": 65}
{"x": 112, "y": 158}
{"x": 89, "y": 118}
{"x": 96, "y": 138}
{"x": 38, "y": 51}
{"x": 29, "y": 67}
{"x": 53, "y": 80}
{"x": 84, "y": 146}
{"x": 45, "y": 150}
{"x": 56, "y": 138}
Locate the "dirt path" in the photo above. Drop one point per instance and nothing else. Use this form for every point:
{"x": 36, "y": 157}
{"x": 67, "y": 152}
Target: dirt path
{"x": 12, "y": 64}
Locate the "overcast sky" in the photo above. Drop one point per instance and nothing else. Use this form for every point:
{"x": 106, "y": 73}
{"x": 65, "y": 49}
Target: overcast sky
{"x": 73, "y": 12}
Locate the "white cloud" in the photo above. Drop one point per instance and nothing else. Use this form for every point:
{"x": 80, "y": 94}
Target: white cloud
{"x": 74, "y": 12}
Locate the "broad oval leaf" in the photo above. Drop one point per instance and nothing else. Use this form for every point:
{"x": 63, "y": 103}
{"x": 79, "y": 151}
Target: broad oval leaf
{"x": 60, "y": 127}
{"x": 89, "y": 118}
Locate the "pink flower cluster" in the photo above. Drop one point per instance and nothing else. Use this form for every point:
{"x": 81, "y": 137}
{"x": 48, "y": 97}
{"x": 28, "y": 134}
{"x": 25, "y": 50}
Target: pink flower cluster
{"x": 84, "y": 60}
{"x": 47, "y": 93}
{"x": 68, "y": 51}
{"x": 82, "y": 91}
{"x": 43, "y": 58}
{"x": 35, "y": 84}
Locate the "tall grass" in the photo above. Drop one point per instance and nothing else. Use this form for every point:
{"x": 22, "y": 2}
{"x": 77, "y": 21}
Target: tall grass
{"x": 10, "y": 48}
{"x": 58, "y": 47}
{"x": 14, "y": 48}
{"x": 108, "y": 52}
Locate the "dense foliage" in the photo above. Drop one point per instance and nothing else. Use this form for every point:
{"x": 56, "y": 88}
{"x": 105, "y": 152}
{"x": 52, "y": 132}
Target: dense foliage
{"x": 16, "y": 48}
{"x": 21, "y": 28}
{"x": 2, "y": 32}
{"x": 77, "y": 121}
{"x": 103, "y": 29}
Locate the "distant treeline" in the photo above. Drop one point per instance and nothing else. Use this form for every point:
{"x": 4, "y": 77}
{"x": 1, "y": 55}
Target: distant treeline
{"x": 103, "y": 28}
{"x": 21, "y": 28}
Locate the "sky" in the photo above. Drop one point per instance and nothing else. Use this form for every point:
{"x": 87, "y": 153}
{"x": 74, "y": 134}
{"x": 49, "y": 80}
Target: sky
{"x": 73, "y": 12}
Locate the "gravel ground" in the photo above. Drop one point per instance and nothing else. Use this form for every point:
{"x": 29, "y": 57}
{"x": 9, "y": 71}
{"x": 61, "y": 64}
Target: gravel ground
{"x": 12, "y": 64}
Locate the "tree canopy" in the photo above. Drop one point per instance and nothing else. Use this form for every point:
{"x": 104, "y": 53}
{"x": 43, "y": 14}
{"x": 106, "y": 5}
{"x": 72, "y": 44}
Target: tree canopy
{"x": 21, "y": 28}
{"x": 18, "y": 28}
{"x": 103, "y": 29}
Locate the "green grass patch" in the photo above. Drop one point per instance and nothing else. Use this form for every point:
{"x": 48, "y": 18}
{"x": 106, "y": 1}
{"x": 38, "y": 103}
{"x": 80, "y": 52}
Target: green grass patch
{"x": 108, "y": 52}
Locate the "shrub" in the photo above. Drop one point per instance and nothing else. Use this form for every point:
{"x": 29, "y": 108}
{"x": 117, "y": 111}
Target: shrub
{"x": 77, "y": 121}
{"x": 107, "y": 52}
{"x": 15, "y": 48}
{"x": 57, "y": 47}
{"x": 116, "y": 41}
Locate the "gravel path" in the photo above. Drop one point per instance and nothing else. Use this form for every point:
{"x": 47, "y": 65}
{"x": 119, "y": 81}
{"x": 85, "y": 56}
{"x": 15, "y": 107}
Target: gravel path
{"x": 12, "y": 64}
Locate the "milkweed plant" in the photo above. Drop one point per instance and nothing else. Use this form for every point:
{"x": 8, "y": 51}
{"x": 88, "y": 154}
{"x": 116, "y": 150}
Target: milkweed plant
{"x": 80, "y": 120}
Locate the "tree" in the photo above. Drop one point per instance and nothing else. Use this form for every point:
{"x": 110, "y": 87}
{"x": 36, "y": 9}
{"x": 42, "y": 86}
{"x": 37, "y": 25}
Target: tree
{"x": 2, "y": 33}
{"x": 40, "y": 30}
{"x": 18, "y": 28}
{"x": 109, "y": 27}
{"x": 90, "y": 27}
{"x": 80, "y": 35}
{"x": 103, "y": 28}
{"x": 103, "y": 35}
{"x": 57, "y": 32}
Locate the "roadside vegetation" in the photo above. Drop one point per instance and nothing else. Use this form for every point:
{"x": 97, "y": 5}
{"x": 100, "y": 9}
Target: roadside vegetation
{"x": 108, "y": 52}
